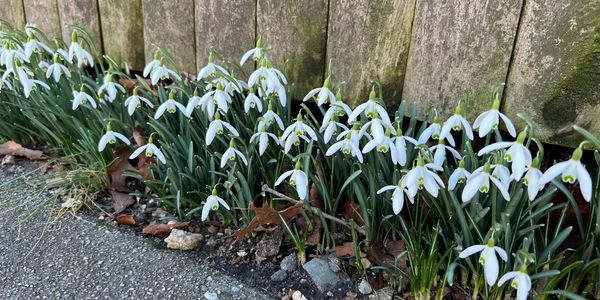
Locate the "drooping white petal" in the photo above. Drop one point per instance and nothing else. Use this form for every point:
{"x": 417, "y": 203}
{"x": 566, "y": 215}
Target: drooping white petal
{"x": 491, "y": 266}
{"x": 471, "y": 250}
{"x": 585, "y": 182}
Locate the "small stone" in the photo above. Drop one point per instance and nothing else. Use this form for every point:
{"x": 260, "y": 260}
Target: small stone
{"x": 280, "y": 275}
{"x": 303, "y": 281}
{"x": 228, "y": 231}
{"x": 8, "y": 160}
{"x": 329, "y": 294}
{"x": 210, "y": 296}
{"x": 211, "y": 242}
{"x": 320, "y": 273}
{"x": 386, "y": 293}
{"x": 183, "y": 240}
{"x": 297, "y": 295}
{"x": 364, "y": 287}
{"x": 289, "y": 263}
{"x": 334, "y": 264}
{"x": 212, "y": 229}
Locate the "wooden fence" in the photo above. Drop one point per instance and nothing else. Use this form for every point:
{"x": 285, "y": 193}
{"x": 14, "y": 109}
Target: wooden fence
{"x": 432, "y": 52}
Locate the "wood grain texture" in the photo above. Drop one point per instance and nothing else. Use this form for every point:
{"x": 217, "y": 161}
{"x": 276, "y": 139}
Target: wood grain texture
{"x": 44, "y": 14}
{"x": 555, "y": 75}
{"x": 459, "y": 47}
{"x": 369, "y": 40}
{"x": 123, "y": 31}
{"x": 12, "y": 12}
{"x": 83, "y": 13}
{"x": 228, "y": 27}
{"x": 170, "y": 23}
{"x": 296, "y": 31}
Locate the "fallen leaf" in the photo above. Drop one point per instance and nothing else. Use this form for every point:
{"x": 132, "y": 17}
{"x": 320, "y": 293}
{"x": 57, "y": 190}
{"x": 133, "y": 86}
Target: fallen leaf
{"x": 125, "y": 219}
{"x": 155, "y": 229}
{"x": 121, "y": 201}
{"x": 268, "y": 246}
{"x": 117, "y": 168}
{"x": 12, "y": 148}
{"x": 346, "y": 249}
{"x": 315, "y": 197}
{"x": 394, "y": 247}
{"x": 352, "y": 211}
{"x": 314, "y": 237}
{"x": 267, "y": 215}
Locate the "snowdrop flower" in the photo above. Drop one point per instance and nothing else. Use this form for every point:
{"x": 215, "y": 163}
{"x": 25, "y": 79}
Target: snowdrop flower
{"x": 64, "y": 54}
{"x": 323, "y": 93}
{"x": 109, "y": 88}
{"x": 28, "y": 83}
{"x": 153, "y": 64}
{"x": 149, "y": 150}
{"x": 110, "y": 137}
{"x": 371, "y": 108}
{"x": 76, "y": 51}
{"x": 400, "y": 145}
{"x": 433, "y": 131}
{"x": 134, "y": 102}
{"x": 269, "y": 118}
{"x": 337, "y": 109}
{"x": 211, "y": 68}
{"x": 458, "y": 176}
{"x": 347, "y": 146}
{"x": 439, "y": 151}
{"x": 520, "y": 281}
{"x": 517, "y": 154}
{"x": 378, "y": 128}
{"x": 488, "y": 120}
{"x": 331, "y": 129}
{"x": 252, "y": 101}
{"x": 161, "y": 72}
{"x": 213, "y": 99}
{"x": 487, "y": 259}
{"x": 397, "y": 196}
{"x": 193, "y": 103}
{"x": 170, "y": 105}
{"x": 480, "y": 181}
{"x": 298, "y": 179}
{"x": 56, "y": 69}
{"x": 11, "y": 56}
{"x": 383, "y": 146}
{"x": 456, "y": 122}
{"x": 212, "y": 203}
{"x": 255, "y": 53}
{"x": 294, "y": 131}
{"x": 270, "y": 81}
{"x": 355, "y": 134}
{"x": 32, "y": 45}
{"x": 571, "y": 171}
{"x": 532, "y": 179}
{"x": 82, "y": 97}
{"x": 216, "y": 127}
{"x": 231, "y": 153}
{"x": 263, "y": 139}
{"x": 421, "y": 177}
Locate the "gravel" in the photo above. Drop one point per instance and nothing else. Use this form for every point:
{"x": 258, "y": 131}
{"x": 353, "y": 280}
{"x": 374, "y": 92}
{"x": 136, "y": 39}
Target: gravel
{"x": 81, "y": 257}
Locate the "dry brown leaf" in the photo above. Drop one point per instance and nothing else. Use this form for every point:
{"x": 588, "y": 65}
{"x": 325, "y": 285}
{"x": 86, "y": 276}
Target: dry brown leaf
{"x": 12, "y": 148}
{"x": 346, "y": 249}
{"x": 121, "y": 201}
{"x": 315, "y": 197}
{"x": 352, "y": 211}
{"x": 394, "y": 247}
{"x": 267, "y": 215}
{"x": 314, "y": 237}
{"x": 156, "y": 229}
{"x": 125, "y": 219}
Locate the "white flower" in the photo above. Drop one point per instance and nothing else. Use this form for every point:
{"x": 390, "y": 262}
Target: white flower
{"x": 9, "y": 57}
{"x": 397, "y": 196}
{"x": 421, "y": 177}
{"x": 480, "y": 181}
{"x": 170, "y": 105}
{"x": 269, "y": 81}
{"x": 65, "y": 55}
{"x": 295, "y": 131}
{"x": 378, "y": 128}
{"x": 324, "y": 93}
{"x": 517, "y": 154}
{"x": 82, "y": 97}
{"x": 28, "y": 83}
{"x": 371, "y": 108}
{"x": 400, "y": 144}
{"x": 110, "y": 137}
{"x": 488, "y": 120}
{"x": 383, "y": 146}
{"x": 571, "y": 171}
{"x": 458, "y": 176}
{"x": 456, "y": 122}
{"x": 150, "y": 150}
{"x": 231, "y": 153}
{"x": 433, "y": 131}
{"x": 487, "y": 259}
{"x": 216, "y": 127}
{"x": 110, "y": 88}
{"x": 355, "y": 134}
{"x": 32, "y": 45}
{"x": 532, "y": 179}
{"x": 337, "y": 109}
{"x": 298, "y": 179}
{"x": 263, "y": 139}
{"x": 135, "y": 101}
{"x": 212, "y": 203}
{"x": 193, "y": 103}
{"x": 252, "y": 101}
{"x": 254, "y": 53}
{"x": 213, "y": 99}
{"x": 56, "y": 69}
{"x": 269, "y": 118}
{"x": 439, "y": 151}
{"x": 520, "y": 281}
{"x": 211, "y": 69}
{"x": 76, "y": 51}
{"x": 347, "y": 146}
{"x": 153, "y": 64}
{"x": 331, "y": 129}
{"x": 161, "y": 72}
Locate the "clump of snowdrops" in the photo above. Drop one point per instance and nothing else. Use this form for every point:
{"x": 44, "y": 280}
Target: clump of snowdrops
{"x": 216, "y": 138}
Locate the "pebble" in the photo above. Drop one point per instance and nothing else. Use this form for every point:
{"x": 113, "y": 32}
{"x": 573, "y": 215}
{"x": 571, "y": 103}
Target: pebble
{"x": 183, "y": 240}
{"x": 210, "y": 296}
{"x": 280, "y": 275}
{"x": 212, "y": 229}
{"x": 364, "y": 287}
{"x": 211, "y": 242}
{"x": 321, "y": 275}
{"x": 334, "y": 264}
{"x": 289, "y": 263}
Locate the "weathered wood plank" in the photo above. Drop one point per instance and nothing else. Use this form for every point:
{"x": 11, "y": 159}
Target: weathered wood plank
{"x": 555, "y": 75}
{"x": 123, "y": 31}
{"x": 459, "y": 47}
{"x": 170, "y": 23}
{"x": 227, "y": 26}
{"x": 83, "y": 13}
{"x": 297, "y": 32}
{"x": 12, "y": 12}
{"x": 44, "y": 14}
{"x": 378, "y": 33}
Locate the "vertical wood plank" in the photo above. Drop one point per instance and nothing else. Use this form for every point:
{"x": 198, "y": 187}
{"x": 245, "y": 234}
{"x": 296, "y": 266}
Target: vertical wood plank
{"x": 12, "y": 12}
{"x": 297, "y": 32}
{"x": 228, "y": 26}
{"x": 555, "y": 74}
{"x": 170, "y": 23}
{"x": 44, "y": 14}
{"x": 459, "y": 46}
{"x": 83, "y": 13}
{"x": 123, "y": 31}
{"x": 369, "y": 40}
